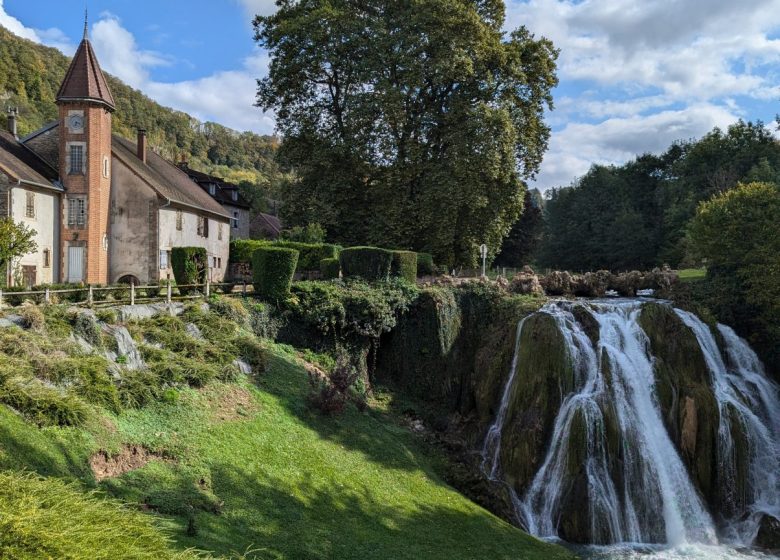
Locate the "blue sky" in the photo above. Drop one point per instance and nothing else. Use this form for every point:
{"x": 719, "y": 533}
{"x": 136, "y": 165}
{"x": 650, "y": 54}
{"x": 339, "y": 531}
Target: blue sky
{"x": 634, "y": 76}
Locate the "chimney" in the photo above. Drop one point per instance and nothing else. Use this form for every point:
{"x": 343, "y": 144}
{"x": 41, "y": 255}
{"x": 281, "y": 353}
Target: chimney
{"x": 142, "y": 144}
{"x": 13, "y": 117}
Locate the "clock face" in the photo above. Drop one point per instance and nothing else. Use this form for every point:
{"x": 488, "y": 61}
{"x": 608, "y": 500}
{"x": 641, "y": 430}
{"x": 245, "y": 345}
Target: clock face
{"x": 76, "y": 122}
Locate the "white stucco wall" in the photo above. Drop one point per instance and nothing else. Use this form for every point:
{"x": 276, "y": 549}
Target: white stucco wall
{"x": 242, "y": 232}
{"x": 170, "y": 237}
{"x": 46, "y": 225}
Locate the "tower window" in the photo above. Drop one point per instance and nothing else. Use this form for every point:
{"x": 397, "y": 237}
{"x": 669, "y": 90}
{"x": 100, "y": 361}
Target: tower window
{"x": 30, "y": 209}
{"x": 212, "y": 189}
{"x": 77, "y": 211}
{"x": 76, "y": 160}
{"x": 234, "y": 195}
{"x": 105, "y": 167}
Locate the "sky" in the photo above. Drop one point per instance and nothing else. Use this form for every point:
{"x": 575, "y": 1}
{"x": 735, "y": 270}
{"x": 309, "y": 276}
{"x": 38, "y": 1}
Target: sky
{"x": 635, "y": 76}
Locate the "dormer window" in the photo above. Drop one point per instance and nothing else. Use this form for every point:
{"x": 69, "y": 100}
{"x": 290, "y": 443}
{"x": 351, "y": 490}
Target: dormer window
{"x": 234, "y": 195}
{"x": 212, "y": 189}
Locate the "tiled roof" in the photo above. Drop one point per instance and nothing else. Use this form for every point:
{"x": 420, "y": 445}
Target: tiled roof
{"x": 223, "y": 187}
{"x": 267, "y": 222}
{"x": 85, "y": 79}
{"x": 168, "y": 180}
{"x": 21, "y": 164}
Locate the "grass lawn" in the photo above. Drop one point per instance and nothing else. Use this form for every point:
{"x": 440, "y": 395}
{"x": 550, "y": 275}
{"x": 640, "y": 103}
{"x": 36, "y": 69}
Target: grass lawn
{"x": 692, "y": 274}
{"x": 248, "y": 469}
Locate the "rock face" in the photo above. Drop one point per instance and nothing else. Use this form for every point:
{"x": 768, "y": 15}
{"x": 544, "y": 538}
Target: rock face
{"x": 526, "y": 282}
{"x": 768, "y": 533}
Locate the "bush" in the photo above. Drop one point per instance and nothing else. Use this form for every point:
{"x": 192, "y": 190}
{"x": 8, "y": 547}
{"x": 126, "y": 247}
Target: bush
{"x": 42, "y": 404}
{"x": 241, "y": 249}
{"x": 32, "y": 317}
{"x": 405, "y": 265}
{"x": 330, "y": 269}
{"x": 310, "y": 254}
{"x": 272, "y": 272}
{"x": 425, "y": 266}
{"x": 370, "y": 263}
{"x": 230, "y": 309}
{"x": 189, "y": 265}
{"x": 312, "y": 233}
{"x": 330, "y": 394}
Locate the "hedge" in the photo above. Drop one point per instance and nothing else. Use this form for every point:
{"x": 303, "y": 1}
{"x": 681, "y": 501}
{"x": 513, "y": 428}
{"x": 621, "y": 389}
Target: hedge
{"x": 310, "y": 253}
{"x": 330, "y": 268}
{"x": 241, "y": 249}
{"x": 272, "y": 271}
{"x": 370, "y": 263}
{"x": 405, "y": 265}
{"x": 425, "y": 266}
{"x": 189, "y": 265}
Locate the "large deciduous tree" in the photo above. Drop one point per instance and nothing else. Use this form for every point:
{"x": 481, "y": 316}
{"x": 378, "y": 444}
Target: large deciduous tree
{"x": 410, "y": 123}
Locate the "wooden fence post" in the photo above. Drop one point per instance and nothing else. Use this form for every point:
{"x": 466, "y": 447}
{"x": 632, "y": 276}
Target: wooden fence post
{"x": 90, "y": 296}
{"x": 1, "y": 298}
{"x": 132, "y": 293}
{"x": 208, "y": 287}
{"x": 168, "y": 293}
{"x": 244, "y": 289}
{"x": 47, "y": 297}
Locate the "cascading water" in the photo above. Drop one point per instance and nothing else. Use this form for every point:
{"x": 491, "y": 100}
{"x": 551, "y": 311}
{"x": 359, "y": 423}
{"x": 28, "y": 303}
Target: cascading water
{"x": 645, "y": 495}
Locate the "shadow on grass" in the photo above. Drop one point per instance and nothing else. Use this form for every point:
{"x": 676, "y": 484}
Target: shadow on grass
{"x": 278, "y": 520}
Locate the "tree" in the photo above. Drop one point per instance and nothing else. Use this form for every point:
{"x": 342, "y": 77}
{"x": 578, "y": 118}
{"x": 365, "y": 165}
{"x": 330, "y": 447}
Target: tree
{"x": 523, "y": 240}
{"x": 738, "y": 232}
{"x": 16, "y": 240}
{"x": 409, "y": 124}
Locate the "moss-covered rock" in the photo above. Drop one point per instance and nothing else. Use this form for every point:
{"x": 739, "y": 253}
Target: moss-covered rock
{"x": 682, "y": 385}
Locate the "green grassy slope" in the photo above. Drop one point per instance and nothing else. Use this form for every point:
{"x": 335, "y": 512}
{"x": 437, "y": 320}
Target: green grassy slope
{"x": 246, "y": 467}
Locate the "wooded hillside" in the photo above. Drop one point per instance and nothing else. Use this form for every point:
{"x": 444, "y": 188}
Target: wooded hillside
{"x": 30, "y": 75}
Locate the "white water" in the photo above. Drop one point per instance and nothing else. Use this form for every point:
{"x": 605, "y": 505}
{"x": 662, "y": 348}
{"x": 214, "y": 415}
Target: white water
{"x": 655, "y": 500}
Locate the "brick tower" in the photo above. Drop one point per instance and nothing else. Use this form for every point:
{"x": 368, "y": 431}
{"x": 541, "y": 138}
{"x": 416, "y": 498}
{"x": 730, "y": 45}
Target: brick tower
{"x": 85, "y": 105}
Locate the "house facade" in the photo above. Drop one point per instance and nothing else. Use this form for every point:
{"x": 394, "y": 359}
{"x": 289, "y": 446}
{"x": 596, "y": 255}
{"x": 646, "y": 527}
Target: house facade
{"x": 105, "y": 209}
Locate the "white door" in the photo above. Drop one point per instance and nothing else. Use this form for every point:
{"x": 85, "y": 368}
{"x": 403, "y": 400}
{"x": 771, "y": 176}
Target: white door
{"x": 75, "y": 265}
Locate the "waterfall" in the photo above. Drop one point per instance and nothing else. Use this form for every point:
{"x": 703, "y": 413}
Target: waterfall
{"x": 747, "y": 401}
{"x": 645, "y": 495}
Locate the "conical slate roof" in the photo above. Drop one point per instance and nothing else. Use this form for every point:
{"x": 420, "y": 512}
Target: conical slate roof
{"x": 85, "y": 80}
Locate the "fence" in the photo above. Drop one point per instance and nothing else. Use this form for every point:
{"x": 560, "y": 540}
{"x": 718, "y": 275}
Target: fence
{"x": 98, "y": 295}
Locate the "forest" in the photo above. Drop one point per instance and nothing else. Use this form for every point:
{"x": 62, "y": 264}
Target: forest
{"x": 30, "y": 75}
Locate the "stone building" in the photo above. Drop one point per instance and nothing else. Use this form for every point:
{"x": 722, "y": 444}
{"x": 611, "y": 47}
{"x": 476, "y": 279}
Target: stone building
{"x": 109, "y": 210}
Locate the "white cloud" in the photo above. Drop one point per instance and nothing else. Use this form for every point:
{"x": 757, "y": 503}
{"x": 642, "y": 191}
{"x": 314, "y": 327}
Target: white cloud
{"x": 52, "y": 37}
{"x": 615, "y": 140}
{"x": 226, "y": 97}
{"x": 259, "y": 7}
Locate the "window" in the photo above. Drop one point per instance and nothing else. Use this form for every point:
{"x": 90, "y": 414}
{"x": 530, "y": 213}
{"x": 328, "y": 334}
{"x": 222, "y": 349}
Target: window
{"x": 212, "y": 189}
{"x": 219, "y": 262}
{"x": 235, "y": 220}
{"x": 77, "y": 211}
{"x": 30, "y": 212}
{"x": 76, "y": 159}
{"x": 179, "y": 220}
{"x": 219, "y": 232}
{"x": 46, "y": 258}
{"x": 164, "y": 260}
{"x": 203, "y": 226}
{"x": 105, "y": 167}
{"x": 234, "y": 195}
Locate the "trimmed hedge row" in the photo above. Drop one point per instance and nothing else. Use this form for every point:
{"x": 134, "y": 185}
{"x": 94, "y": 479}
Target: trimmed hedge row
{"x": 189, "y": 265}
{"x": 425, "y": 265}
{"x": 310, "y": 253}
{"x": 272, "y": 271}
{"x": 330, "y": 269}
{"x": 241, "y": 250}
{"x": 405, "y": 265}
{"x": 370, "y": 263}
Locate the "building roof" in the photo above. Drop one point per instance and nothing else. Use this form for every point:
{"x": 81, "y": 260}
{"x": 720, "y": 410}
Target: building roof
{"x": 23, "y": 165}
{"x": 85, "y": 80}
{"x": 267, "y": 223}
{"x": 224, "y": 190}
{"x": 165, "y": 178}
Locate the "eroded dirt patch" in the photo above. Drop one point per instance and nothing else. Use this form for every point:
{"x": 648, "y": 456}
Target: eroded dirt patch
{"x": 231, "y": 403}
{"x": 130, "y": 458}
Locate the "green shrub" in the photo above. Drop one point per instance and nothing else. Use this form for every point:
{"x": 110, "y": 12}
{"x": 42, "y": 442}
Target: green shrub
{"x": 272, "y": 272}
{"x": 189, "y": 265}
{"x": 425, "y": 266}
{"x": 370, "y": 263}
{"x": 138, "y": 388}
{"x": 85, "y": 325}
{"x": 86, "y": 376}
{"x": 330, "y": 269}
{"x": 230, "y": 309}
{"x": 405, "y": 265}
{"x": 310, "y": 254}
{"x": 312, "y": 233}
{"x": 106, "y": 315}
{"x": 33, "y": 317}
{"x": 241, "y": 249}
{"x": 44, "y": 405}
